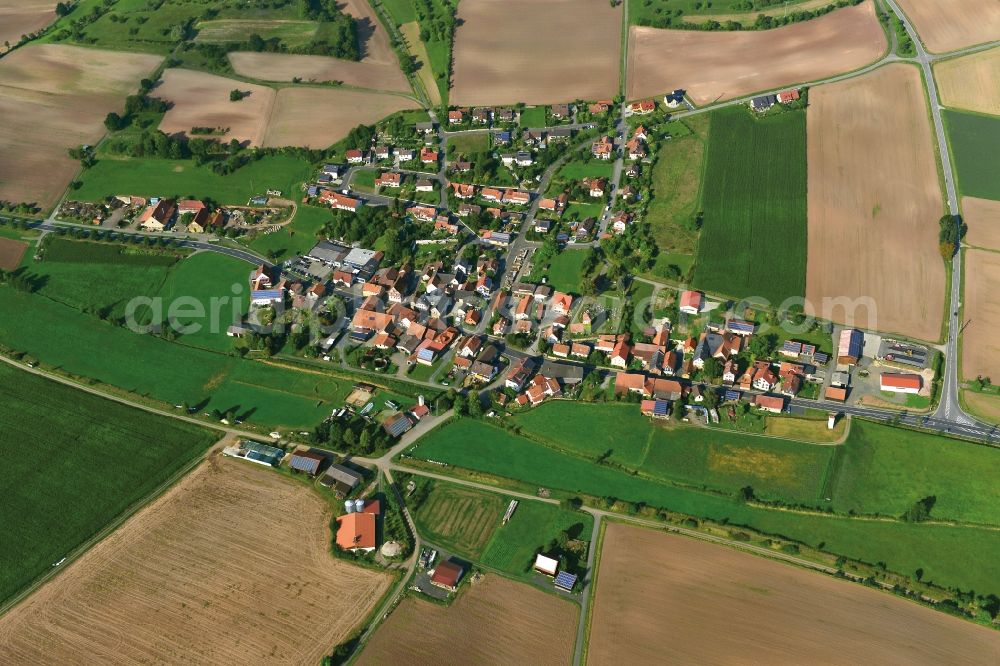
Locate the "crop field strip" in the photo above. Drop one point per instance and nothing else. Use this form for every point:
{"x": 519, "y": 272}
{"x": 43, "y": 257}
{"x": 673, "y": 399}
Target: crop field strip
{"x": 100, "y": 458}
{"x": 903, "y": 546}
{"x": 460, "y": 518}
{"x": 975, "y": 142}
{"x": 754, "y": 203}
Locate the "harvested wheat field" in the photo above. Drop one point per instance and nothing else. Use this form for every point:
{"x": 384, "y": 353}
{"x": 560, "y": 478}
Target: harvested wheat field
{"x": 874, "y": 203}
{"x": 983, "y": 218}
{"x": 11, "y": 252}
{"x": 310, "y": 68}
{"x": 509, "y": 51}
{"x": 714, "y": 66}
{"x": 199, "y": 99}
{"x": 23, "y": 17}
{"x": 982, "y": 405}
{"x": 700, "y": 603}
{"x": 52, "y": 98}
{"x": 230, "y": 566}
{"x": 319, "y": 117}
{"x": 494, "y": 621}
{"x": 980, "y": 346}
{"x": 946, "y": 26}
{"x": 970, "y": 82}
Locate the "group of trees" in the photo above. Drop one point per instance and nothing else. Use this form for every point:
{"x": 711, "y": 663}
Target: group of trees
{"x": 951, "y": 232}
{"x": 674, "y": 18}
{"x": 352, "y": 435}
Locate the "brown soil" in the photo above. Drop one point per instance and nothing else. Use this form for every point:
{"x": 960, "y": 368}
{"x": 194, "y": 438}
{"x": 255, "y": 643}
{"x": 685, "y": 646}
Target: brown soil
{"x": 230, "y": 566}
{"x": 947, "y": 26}
{"x": 55, "y": 97}
{"x": 319, "y": 117}
{"x": 23, "y": 17}
{"x": 714, "y": 66}
{"x": 874, "y": 205}
{"x": 494, "y": 621}
{"x": 970, "y": 82}
{"x": 980, "y": 346}
{"x": 509, "y": 51}
{"x": 285, "y": 67}
{"x": 200, "y": 99}
{"x": 983, "y": 218}
{"x": 700, "y": 603}
{"x": 11, "y": 252}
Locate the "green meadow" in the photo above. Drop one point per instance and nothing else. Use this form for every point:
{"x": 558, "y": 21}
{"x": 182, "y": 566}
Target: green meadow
{"x": 975, "y": 141}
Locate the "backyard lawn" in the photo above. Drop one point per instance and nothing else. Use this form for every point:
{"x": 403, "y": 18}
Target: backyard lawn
{"x": 293, "y": 239}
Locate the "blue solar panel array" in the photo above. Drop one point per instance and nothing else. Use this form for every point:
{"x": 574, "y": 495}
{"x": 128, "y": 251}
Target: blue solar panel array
{"x": 660, "y": 408}
{"x": 731, "y": 395}
{"x": 565, "y": 581}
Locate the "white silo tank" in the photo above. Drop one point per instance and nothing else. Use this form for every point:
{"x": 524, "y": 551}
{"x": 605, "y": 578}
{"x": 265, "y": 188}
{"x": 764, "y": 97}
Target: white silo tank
{"x": 349, "y": 506}
{"x": 359, "y": 505}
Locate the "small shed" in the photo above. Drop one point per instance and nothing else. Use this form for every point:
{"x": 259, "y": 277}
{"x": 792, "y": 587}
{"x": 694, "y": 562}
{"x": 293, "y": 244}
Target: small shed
{"x": 565, "y": 581}
{"x": 446, "y": 575}
{"x": 342, "y": 479}
{"x": 546, "y": 565}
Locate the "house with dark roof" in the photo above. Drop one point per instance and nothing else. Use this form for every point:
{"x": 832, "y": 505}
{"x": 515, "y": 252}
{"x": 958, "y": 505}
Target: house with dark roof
{"x": 306, "y": 461}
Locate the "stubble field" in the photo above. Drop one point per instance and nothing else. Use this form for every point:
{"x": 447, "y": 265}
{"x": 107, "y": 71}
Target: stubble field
{"x": 292, "y": 116}
{"x": 494, "y": 621}
{"x": 874, "y": 203}
{"x": 969, "y": 82}
{"x": 980, "y": 347}
{"x": 983, "y": 218}
{"x": 230, "y": 566}
{"x": 714, "y": 66}
{"x": 52, "y": 98}
{"x": 509, "y": 51}
{"x": 709, "y": 604}
{"x": 947, "y": 26}
{"x": 22, "y": 17}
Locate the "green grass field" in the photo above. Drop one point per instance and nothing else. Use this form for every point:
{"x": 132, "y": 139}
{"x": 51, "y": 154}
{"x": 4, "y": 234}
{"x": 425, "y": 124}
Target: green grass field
{"x": 578, "y": 170}
{"x": 469, "y": 144}
{"x": 73, "y": 462}
{"x": 581, "y": 211}
{"x": 886, "y": 470}
{"x": 531, "y": 528}
{"x": 457, "y": 518}
{"x": 294, "y": 239}
{"x": 904, "y": 547}
{"x": 565, "y": 270}
{"x": 533, "y": 116}
{"x": 99, "y": 277}
{"x": 294, "y": 34}
{"x": 754, "y": 197}
{"x": 718, "y": 459}
{"x": 975, "y": 141}
{"x": 677, "y": 177}
{"x": 181, "y": 178}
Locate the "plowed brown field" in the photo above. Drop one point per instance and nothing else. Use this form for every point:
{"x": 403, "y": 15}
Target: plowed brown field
{"x": 231, "y": 566}
{"x": 970, "y": 82}
{"x": 287, "y": 66}
{"x": 11, "y": 252}
{"x": 55, "y": 97}
{"x": 874, "y": 205}
{"x": 23, "y": 17}
{"x": 509, "y": 51}
{"x": 945, "y": 25}
{"x": 714, "y": 66}
{"x": 318, "y": 117}
{"x": 495, "y": 621}
{"x": 199, "y": 99}
{"x": 666, "y": 598}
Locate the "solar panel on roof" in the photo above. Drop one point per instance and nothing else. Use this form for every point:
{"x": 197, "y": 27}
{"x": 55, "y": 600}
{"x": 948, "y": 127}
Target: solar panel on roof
{"x": 565, "y": 581}
{"x": 732, "y": 395}
{"x": 660, "y": 407}
{"x": 792, "y": 346}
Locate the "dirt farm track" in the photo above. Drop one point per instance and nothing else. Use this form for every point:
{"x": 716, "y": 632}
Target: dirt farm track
{"x": 509, "y": 51}
{"x": 715, "y": 66}
{"x": 666, "y": 597}
{"x": 495, "y": 621}
{"x": 230, "y": 566}
{"x": 874, "y": 203}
